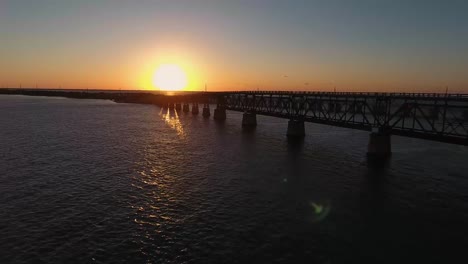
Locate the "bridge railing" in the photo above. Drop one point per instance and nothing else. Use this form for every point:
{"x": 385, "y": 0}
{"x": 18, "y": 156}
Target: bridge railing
{"x": 373, "y": 94}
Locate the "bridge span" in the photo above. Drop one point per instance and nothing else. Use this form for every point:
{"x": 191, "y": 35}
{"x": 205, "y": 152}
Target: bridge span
{"x": 430, "y": 116}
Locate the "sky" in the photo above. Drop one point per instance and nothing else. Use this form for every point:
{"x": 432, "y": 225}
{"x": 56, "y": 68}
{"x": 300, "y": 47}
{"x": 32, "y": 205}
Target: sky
{"x": 316, "y": 45}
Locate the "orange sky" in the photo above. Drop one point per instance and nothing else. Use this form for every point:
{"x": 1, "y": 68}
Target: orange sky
{"x": 234, "y": 46}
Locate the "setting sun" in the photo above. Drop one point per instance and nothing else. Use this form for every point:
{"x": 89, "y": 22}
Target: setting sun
{"x": 170, "y": 77}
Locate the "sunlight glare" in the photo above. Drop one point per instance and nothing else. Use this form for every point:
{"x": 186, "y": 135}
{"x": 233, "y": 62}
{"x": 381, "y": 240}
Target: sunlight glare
{"x": 172, "y": 119}
{"x": 170, "y": 77}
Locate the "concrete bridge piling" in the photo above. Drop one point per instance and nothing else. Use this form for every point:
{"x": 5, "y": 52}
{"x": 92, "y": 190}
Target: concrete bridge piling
{"x": 206, "y": 110}
{"x": 296, "y": 129}
{"x": 219, "y": 114}
{"x": 220, "y": 111}
{"x": 195, "y": 108}
{"x": 380, "y": 145}
{"x": 249, "y": 120}
{"x": 186, "y": 108}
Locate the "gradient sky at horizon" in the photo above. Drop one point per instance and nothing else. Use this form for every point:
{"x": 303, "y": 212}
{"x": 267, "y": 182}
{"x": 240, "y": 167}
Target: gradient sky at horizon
{"x": 352, "y": 45}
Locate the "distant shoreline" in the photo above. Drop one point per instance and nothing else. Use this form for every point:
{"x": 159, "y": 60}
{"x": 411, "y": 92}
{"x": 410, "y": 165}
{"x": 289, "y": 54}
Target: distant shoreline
{"x": 118, "y": 96}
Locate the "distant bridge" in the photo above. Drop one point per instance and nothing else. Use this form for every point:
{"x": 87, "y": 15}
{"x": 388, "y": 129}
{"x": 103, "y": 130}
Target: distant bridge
{"x": 431, "y": 116}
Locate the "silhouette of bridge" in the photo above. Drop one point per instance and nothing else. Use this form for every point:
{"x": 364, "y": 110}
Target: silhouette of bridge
{"x": 431, "y": 116}
{"x": 437, "y": 117}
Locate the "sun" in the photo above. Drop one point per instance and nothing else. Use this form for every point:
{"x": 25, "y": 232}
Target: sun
{"x": 170, "y": 77}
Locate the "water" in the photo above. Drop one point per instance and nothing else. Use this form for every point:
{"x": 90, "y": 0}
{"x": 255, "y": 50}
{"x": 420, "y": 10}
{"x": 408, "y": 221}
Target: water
{"x": 90, "y": 181}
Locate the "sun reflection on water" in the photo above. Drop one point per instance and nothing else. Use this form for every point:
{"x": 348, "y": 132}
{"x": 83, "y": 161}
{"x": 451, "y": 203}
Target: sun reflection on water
{"x": 172, "y": 119}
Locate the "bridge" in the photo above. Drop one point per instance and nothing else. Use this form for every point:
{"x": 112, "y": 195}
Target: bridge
{"x": 430, "y": 116}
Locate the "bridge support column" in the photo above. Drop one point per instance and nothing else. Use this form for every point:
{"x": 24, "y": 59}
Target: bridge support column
{"x": 186, "y": 108}
{"x": 195, "y": 108}
{"x": 296, "y": 129}
{"x": 380, "y": 145}
{"x": 219, "y": 114}
{"x": 171, "y": 106}
{"x": 178, "y": 107}
{"x": 249, "y": 120}
{"x": 206, "y": 110}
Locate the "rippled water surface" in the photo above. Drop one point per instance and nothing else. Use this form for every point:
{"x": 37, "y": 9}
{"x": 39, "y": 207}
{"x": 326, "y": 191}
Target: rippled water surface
{"x": 89, "y": 181}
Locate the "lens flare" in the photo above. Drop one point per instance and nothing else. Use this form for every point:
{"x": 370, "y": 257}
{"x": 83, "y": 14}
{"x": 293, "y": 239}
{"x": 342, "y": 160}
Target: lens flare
{"x": 320, "y": 210}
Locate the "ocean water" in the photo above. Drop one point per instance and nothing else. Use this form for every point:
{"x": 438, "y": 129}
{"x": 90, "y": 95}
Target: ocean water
{"x": 92, "y": 181}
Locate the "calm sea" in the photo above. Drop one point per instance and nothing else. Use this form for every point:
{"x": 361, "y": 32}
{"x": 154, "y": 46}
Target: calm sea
{"x": 90, "y": 181}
